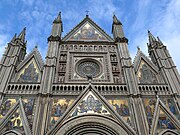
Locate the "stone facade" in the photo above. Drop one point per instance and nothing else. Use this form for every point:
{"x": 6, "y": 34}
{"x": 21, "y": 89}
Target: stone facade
{"x": 88, "y": 85}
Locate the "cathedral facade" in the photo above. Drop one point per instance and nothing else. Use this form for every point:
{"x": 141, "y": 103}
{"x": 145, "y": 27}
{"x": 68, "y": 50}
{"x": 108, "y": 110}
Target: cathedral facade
{"x": 88, "y": 85}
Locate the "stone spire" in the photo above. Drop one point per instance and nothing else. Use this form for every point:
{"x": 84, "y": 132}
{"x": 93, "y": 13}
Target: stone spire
{"x": 152, "y": 39}
{"x": 161, "y": 43}
{"x": 116, "y": 21}
{"x": 117, "y": 29}
{"x": 14, "y": 37}
{"x": 58, "y": 19}
{"x": 22, "y": 35}
{"x": 57, "y": 27}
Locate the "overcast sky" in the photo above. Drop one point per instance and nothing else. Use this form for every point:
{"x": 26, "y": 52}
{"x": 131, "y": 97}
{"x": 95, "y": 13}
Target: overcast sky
{"x": 161, "y": 17}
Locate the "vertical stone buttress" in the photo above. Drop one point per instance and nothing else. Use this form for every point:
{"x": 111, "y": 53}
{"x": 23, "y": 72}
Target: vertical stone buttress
{"x": 161, "y": 57}
{"x": 13, "y": 55}
{"x": 129, "y": 75}
{"x": 41, "y": 123}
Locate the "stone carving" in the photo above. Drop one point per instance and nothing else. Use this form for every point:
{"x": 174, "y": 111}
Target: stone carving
{"x": 88, "y": 68}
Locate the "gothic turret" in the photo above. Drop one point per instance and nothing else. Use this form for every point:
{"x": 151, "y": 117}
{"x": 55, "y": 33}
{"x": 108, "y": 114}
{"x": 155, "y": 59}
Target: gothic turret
{"x": 161, "y": 57}
{"x": 57, "y": 28}
{"x": 13, "y": 55}
{"x": 21, "y": 36}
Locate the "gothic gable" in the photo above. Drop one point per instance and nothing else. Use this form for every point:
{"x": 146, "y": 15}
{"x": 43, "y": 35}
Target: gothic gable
{"x": 90, "y": 102}
{"x": 163, "y": 119}
{"x": 87, "y": 30}
{"x": 15, "y": 119}
{"x": 30, "y": 69}
{"x": 146, "y": 71}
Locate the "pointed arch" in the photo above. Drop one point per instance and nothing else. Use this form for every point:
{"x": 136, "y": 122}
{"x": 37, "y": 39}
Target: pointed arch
{"x": 161, "y": 107}
{"x": 168, "y": 132}
{"x": 110, "y": 111}
{"x": 21, "y": 119}
{"x": 145, "y": 70}
{"x": 12, "y": 132}
{"x": 30, "y": 69}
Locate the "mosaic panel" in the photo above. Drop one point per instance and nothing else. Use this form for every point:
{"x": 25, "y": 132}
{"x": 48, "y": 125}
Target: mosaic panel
{"x": 90, "y": 104}
{"x": 145, "y": 74}
{"x": 14, "y": 123}
{"x": 29, "y": 107}
{"x": 164, "y": 122}
{"x": 170, "y": 104}
{"x": 30, "y": 73}
{"x": 122, "y": 108}
{"x": 6, "y": 105}
{"x": 87, "y": 32}
{"x": 149, "y": 105}
{"x": 59, "y": 106}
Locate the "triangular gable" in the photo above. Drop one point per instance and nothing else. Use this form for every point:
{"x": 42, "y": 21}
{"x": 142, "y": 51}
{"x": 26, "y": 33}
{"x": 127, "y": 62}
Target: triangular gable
{"x": 140, "y": 56}
{"x": 87, "y": 30}
{"x": 30, "y": 69}
{"x": 35, "y": 54}
{"x": 90, "y": 104}
{"x": 90, "y": 95}
{"x": 145, "y": 70}
{"x": 16, "y": 115}
{"x": 171, "y": 121}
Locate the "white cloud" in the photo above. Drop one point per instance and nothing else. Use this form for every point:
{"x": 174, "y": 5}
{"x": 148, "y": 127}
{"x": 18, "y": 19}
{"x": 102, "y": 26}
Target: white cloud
{"x": 163, "y": 20}
{"x": 3, "y": 42}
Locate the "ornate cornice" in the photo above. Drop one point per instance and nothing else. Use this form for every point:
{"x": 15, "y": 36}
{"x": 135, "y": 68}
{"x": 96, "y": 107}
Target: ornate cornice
{"x": 54, "y": 38}
{"x": 121, "y": 40}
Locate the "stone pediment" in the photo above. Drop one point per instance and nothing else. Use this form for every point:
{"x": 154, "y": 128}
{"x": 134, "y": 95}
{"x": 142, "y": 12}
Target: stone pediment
{"x": 87, "y": 30}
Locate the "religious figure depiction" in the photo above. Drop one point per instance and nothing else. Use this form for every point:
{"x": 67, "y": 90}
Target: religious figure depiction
{"x": 29, "y": 75}
{"x": 58, "y": 109}
{"x": 88, "y": 33}
{"x": 147, "y": 76}
{"x": 90, "y": 105}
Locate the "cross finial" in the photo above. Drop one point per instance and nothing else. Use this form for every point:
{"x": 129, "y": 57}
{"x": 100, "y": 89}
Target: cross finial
{"x": 87, "y": 13}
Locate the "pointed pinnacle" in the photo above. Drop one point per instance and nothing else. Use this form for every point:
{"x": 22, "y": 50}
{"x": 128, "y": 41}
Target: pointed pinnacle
{"x": 116, "y": 21}
{"x": 14, "y": 37}
{"x": 22, "y": 35}
{"x": 138, "y": 48}
{"x": 159, "y": 40}
{"x": 58, "y": 19}
{"x": 151, "y": 37}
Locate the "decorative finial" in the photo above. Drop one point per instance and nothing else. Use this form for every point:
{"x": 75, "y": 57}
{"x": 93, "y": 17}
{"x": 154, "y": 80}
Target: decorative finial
{"x": 87, "y": 13}
{"x": 89, "y": 77}
{"x": 36, "y": 46}
{"x": 138, "y": 48}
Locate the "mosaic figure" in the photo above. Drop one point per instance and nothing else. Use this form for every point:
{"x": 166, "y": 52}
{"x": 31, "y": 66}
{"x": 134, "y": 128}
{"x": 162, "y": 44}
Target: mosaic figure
{"x": 149, "y": 105}
{"x": 87, "y": 33}
{"x": 164, "y": 122}
{"x": 6, "y": 106}
{"x": 122, "y": 108}
{"x": 59, "y": 107}
{"x": 146, "y": 75}
{"x": 90, "y": 104}
{"x": 29, "y": 74}
{"x": 28, "y": 108}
